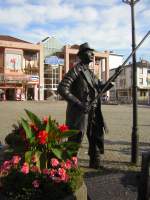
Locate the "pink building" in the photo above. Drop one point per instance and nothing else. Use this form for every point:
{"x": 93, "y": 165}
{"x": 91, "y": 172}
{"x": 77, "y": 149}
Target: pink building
{"x": 100, "y": 66}
{"x": 21, "y": 69}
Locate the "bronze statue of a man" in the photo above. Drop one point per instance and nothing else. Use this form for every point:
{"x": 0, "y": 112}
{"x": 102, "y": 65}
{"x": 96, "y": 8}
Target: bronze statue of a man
{"x": 79, "y": 88}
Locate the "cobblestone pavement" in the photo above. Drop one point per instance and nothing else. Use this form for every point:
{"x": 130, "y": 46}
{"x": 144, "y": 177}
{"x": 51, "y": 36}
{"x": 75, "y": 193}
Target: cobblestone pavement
{"x": 117, "y": 143}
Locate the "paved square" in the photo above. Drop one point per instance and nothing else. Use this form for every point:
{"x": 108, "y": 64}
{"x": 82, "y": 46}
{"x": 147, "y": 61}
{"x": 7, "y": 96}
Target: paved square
{"x": 118, "y": 118}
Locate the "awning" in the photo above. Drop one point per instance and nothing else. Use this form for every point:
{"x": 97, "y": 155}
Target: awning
{"x": 54, "y": 60}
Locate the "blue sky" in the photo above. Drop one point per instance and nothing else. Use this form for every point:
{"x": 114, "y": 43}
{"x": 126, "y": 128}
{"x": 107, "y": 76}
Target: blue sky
{"x": 105, "y": 24}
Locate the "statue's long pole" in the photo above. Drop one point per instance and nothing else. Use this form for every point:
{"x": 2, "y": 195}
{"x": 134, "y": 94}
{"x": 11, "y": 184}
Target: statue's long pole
{"x": 120, "y": 68}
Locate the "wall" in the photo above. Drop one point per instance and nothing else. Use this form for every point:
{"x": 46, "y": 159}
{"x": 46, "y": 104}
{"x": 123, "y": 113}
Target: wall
{"x": 115, "y": 60}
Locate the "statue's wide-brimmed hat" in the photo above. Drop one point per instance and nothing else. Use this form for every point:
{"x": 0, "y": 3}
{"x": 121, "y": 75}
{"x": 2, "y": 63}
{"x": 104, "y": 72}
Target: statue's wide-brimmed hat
{"x": 83, "y": 47}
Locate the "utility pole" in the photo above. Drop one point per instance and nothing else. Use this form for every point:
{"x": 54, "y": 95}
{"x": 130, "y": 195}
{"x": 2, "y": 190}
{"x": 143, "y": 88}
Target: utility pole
{"x": 135, "y": 136}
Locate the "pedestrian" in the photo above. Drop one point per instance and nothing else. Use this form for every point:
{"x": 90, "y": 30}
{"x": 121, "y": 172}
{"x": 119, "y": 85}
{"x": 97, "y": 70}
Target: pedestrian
{"x": 79, "y": 88}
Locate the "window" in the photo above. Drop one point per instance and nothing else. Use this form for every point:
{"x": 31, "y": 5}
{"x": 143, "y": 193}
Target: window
{"x": 141, "y": 70}
{"x": 141, "y": 81}
{"x": 142, "y": 93}
{"x": 52, "y": 77}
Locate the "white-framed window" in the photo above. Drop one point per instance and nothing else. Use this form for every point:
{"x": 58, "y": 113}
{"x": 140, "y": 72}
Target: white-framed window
{"x": 141, "y": 70}
{"x": 52, "y": 78}
{"x": 141, "y": 81}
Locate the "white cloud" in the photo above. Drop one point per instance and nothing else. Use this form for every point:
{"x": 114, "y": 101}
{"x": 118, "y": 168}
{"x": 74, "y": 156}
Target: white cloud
{"x": 15, "y": 2}
{"x": 105, "y": 24}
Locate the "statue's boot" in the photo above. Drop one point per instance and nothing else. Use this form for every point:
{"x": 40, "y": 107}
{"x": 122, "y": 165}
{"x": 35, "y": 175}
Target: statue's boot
{"x": 95, "y": 161}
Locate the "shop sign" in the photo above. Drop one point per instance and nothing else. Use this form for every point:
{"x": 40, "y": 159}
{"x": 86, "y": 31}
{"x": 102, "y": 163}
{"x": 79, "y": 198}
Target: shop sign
{"x": 13, "y": 61}
{"x": 34, "y": 78}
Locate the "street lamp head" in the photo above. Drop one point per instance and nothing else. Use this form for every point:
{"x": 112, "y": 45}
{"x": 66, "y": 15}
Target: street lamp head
{"x": 130, "y": 2}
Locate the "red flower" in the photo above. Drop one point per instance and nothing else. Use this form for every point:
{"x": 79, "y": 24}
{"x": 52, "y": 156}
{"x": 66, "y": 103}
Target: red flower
{"x": 42, "y": 136}
{"x": 45, "y": 120}
{"x": 32, "y": 125}
{"x": 23, "y": 134}
{"x": 63, "y": 128}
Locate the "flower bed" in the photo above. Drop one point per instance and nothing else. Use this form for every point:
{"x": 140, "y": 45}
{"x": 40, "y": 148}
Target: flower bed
{"x": 41, "y": 164}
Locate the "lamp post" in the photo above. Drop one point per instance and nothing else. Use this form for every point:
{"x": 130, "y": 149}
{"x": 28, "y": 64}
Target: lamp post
{"x": 135, "y": 136}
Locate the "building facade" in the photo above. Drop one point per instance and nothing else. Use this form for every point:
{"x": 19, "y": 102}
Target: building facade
{"x": 53, "y": 65}
{"x": 21, "y": 69}
{"x": 58, "y": 59}
{"x": 122, "y": 91}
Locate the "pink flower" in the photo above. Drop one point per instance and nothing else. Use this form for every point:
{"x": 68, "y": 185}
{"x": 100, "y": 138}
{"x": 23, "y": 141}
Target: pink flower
{"x": 16, "y": 159}
{"x": 68, "y": 164}
{"x": 34, "y": 158}
{"x": 54, "y": 162}
{"x": 7, "y": 165}
{"x": 52, "y": 172}
{"x": 63, "y": 175}
{"x": 63, "y": 128}
{"x": 66, "y": 178}
{"x": 36, "y": 183}
{"x": 35, "y": 169}
{"x": 45, "y": 171}
{"x": 61, "y": 171}
{"x": 75, "y": 161}
{"x": 42, "y": 136}
{"x": 25, "y": 168}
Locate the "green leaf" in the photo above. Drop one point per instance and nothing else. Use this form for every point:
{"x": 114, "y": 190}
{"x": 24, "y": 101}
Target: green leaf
{"x": 38, "y": 155}
{"x": 70, "y": 145}
{"x": 27, "y": 128}
{"x": 33, "y": 118}
{"x": 28, "y": 156}
{"x": 57, "y": 152}
{"x": 70, "y": 153}
{"x": 48, "y": 126}
{"x": 68, "y": 133}
{"x": 49, "y": 146}
{"x": 43, "y": 160}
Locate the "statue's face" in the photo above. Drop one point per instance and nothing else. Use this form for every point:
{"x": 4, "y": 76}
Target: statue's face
{"x": 87, "y": 56}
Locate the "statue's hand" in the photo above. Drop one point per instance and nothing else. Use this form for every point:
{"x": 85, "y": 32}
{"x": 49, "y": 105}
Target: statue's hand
{"x": 84, "y": 107}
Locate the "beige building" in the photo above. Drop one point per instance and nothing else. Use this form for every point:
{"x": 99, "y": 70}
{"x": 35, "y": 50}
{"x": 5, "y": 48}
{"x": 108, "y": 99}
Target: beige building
{"x": 123, "y": 84}
{"x": 21, "y": 69}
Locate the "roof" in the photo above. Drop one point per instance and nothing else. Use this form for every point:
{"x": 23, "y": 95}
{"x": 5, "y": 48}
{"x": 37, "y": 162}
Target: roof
{"x": 142, "y": 63}
{"x": 12, "y": 39}
{"x": 75, "y": 46}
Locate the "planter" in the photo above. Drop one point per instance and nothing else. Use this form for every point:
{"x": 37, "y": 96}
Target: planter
{"x": 80, "y": 194}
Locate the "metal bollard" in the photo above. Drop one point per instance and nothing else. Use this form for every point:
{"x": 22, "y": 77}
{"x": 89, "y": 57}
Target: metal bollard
{"x": 143, "y": 188}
